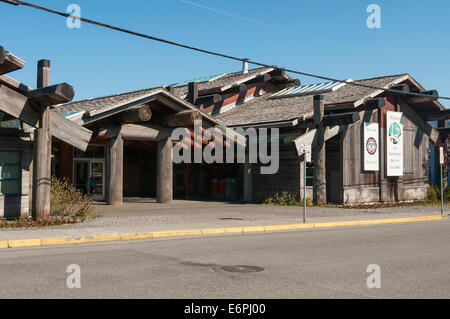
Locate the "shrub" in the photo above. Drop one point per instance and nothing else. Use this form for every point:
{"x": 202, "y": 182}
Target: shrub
{"x": 431, "y": 194}
{"x": 283, "y": 199}
{"x": 67, "y": 201}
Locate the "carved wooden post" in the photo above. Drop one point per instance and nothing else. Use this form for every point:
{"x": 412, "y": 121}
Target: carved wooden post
{"x": 42, "y": 151}
{"x": 115, "y": 171}
{"x": 164, "y": 167}
{"x": 319, "y": 153}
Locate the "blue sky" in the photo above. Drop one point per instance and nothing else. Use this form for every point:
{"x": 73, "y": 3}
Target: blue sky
{"x": 324, "y": 37}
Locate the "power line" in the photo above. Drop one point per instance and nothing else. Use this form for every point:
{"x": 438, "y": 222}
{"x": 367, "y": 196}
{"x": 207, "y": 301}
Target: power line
{"x": 142, "y": 35}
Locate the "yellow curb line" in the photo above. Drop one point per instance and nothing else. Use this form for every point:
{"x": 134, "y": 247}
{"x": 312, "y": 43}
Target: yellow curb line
{"x": 22, "y": 243}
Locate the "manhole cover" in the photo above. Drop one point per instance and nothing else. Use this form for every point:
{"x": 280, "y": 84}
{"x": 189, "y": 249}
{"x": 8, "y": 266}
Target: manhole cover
{"x": 243, "y": 269}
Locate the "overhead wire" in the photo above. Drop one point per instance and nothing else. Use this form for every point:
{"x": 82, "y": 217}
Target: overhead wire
{"x": 214, "y": 53}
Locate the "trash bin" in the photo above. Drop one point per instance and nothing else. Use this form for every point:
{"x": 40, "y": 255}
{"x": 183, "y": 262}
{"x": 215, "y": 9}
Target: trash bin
{"x": 230, "y": 189}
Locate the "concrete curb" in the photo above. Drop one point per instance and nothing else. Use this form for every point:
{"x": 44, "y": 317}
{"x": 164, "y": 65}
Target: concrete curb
{"x": 44, "y": 242}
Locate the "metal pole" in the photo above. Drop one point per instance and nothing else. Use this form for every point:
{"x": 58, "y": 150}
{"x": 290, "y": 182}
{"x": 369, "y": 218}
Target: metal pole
{"x": 442, "y": 192}
{"x": 304, "y": 189}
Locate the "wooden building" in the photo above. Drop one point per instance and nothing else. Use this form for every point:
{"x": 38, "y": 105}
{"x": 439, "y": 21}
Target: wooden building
{"x": 337, "y": 174}
{"x": 120, "y": 146}
{"x": 130, "y": 166}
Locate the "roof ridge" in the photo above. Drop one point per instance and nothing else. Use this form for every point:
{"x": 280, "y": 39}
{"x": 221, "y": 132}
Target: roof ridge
{"x": 113, "y": 95}
{"x": 382, "y": 77}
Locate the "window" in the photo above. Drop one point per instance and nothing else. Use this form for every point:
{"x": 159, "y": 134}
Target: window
{"x": 309, "y": 175}
{"x": 10, "y": 173}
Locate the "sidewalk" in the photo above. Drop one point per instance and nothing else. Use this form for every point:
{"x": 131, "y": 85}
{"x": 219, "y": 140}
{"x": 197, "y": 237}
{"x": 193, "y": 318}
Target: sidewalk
{"x": 142, "y": 218}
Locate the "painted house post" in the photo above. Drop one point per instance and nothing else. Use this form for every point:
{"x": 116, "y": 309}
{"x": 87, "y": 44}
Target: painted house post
{"x": 319, "y": 153}
{"x": 164, "y": 167}
{"x": 115, "y": 171}
{"x": 42, "y": 151}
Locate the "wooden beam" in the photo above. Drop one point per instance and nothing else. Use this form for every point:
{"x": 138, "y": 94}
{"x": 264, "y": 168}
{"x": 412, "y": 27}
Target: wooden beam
{"x": 13, "y": 84}
{"x": 26, "y": 110}
{"x": 376, "y": 103}
{"x": 430, "y": 96}
{"x": 9, "y": 62}
{"x": 430, "y": 131}
{"x": 340, "y": 119}
{"x": 183, "y": 119}
{"x": 209, "y": 99}
{"x": 435, "y": 115}
{"x": 192, "y": 92}
{"x": 138, "y": 132}
{"x": 238, "y": 88}
{"x": 52, "y": 95}
{"x": 142, "y": 132}
{"x": 164, "y": 167}
{"x": 139, "y": 114}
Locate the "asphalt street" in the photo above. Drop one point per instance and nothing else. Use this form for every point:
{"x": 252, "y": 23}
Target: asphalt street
{"x": 414, "y": 260}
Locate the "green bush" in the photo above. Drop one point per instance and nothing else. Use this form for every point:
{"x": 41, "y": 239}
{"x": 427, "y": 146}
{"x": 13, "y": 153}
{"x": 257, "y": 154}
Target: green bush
{"x": 67, "y": 201}
{"x": 431, "y": 194}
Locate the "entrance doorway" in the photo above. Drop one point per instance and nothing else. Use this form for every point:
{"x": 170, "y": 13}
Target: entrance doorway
{"x": 89, "y": 173}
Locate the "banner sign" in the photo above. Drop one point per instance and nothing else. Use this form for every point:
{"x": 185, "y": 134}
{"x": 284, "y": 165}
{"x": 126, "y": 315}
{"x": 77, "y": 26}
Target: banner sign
{"x": 441, "y": 156}
{"x": 394, "y": 131}
{"x": 371, "y": 147}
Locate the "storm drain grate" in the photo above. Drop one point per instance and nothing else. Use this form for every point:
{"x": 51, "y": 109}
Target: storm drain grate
{"x": 243, "y": 269}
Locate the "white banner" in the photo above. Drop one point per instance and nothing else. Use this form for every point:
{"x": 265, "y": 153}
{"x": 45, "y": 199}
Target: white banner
{"x": 371, "y": 147}
{"x": 395, "y": 134}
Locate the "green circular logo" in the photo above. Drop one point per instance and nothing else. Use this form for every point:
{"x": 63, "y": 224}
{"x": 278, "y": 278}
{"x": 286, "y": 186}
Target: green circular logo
{"x": 395, "y": 132}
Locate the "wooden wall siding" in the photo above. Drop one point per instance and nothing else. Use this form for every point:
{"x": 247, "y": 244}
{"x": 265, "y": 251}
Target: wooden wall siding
{"x": 16, "y": 206}
{"x": 361, "y": 186}
{"x": 287, "y": 179}
{"x": 64, "y": 166}
{"x": 416, "y": 159}
{"x": 353, "y": 156}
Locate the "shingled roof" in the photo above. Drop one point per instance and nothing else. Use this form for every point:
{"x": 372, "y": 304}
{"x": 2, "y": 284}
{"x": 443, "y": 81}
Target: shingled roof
{"x": 263, "y": 109}
{"x": 179, "y": 91}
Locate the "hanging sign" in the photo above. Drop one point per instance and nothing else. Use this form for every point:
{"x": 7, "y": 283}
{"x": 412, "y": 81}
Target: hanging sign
{"x": 394, "y": 143}
{"x": 371, "y": 147}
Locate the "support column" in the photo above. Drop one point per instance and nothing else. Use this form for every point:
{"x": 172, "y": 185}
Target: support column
{"x": 382, "y": 183}
{"x": 164, "y": 167}
{"x": 398, "y": 180}
{"x": 319, "y": 153}
{"x": 115, "y": 171}
{"x": 42, "y": 151}
{"x": 248, "y": 180}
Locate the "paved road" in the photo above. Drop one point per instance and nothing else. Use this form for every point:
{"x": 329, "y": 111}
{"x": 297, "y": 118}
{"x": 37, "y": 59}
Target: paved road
{"x": 326, "y": 263}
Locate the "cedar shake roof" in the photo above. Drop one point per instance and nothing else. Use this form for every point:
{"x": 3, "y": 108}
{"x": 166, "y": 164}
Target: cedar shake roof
{"x": 265, "y": 110}
{"x": 179, "y": 91}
